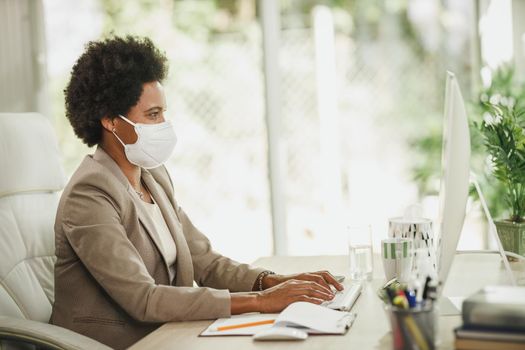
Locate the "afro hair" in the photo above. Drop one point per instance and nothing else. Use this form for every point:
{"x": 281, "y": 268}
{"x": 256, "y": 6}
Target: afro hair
{"x": 107, "y": 80}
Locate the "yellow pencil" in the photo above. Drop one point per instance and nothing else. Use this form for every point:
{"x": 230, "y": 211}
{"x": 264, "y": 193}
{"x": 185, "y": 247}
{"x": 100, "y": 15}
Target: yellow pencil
{"x": 415, "y": 332}
{"x": 243, "y": 325}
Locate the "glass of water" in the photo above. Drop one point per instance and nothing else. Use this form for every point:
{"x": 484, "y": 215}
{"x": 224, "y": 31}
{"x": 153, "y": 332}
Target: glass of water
{"x": 360, "y": 252}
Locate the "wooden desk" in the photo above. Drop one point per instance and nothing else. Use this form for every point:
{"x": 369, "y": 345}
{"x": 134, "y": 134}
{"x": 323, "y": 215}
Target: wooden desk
{"x": 371, "y": 328}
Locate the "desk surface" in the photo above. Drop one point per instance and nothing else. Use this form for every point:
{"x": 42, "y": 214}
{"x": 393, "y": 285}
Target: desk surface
{"x": 369, "y": 331}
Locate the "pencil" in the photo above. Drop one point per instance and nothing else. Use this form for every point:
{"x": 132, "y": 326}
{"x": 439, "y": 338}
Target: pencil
{"x": 243, "y": 325}
{"x": 414, "y": 330}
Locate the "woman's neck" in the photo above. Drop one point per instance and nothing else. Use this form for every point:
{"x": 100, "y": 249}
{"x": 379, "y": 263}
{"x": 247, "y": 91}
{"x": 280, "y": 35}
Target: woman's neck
{"x": 131, "y": 171}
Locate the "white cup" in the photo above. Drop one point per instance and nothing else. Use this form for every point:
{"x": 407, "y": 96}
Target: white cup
{"x": 398, "y": 257}
{"x": 419, "y": 230}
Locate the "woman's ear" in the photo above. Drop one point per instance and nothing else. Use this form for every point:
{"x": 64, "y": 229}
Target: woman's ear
{"x": 108, "y": 123}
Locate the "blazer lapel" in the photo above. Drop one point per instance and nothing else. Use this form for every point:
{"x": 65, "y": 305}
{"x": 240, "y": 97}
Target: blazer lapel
{"x": 184, "y": 263}
{"x": 149, "y": 227}
{"x": 102, "y": 157}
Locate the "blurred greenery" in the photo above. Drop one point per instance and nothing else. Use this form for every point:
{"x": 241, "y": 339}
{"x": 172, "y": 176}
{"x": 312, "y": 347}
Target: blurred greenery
{"x": 369, "y": 16}
{"x": 503, "y": 89}
{"x": 503, "y": 134}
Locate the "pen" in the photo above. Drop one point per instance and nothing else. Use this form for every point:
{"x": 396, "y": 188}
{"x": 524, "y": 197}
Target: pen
{"x": 432, "y": 290}
{"x": 425, "y": 289}
{"x": 418, "y": 290}
{"x": 416, "y": 333}
{"x": 411, "y": 297}
{"x": 242, "y": 325}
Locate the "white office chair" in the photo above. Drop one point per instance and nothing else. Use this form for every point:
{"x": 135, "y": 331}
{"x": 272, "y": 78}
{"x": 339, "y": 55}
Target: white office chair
{"x": 31, "y": 178}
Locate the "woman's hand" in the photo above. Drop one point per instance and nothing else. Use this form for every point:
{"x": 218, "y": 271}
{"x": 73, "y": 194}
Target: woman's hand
{"x": 323, "y": 278}
{"x": 276, "y": 298}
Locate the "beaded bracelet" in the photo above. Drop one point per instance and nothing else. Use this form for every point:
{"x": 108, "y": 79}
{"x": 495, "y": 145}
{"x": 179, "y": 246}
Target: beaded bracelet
{"x": 261, "y": 276}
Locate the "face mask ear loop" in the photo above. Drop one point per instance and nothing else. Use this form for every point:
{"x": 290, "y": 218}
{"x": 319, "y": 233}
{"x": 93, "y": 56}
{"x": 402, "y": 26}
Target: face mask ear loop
{"x": 126, "y": 119}
{"x": 118, "y": 138}
{"x": 113, "y": 131}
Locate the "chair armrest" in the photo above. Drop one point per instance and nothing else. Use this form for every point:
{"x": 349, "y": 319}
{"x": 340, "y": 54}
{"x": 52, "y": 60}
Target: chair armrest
{"x": 46, "y": 335}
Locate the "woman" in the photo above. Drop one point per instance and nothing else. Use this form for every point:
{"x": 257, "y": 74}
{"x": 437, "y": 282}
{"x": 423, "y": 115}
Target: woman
{"x": 127, "y": 254}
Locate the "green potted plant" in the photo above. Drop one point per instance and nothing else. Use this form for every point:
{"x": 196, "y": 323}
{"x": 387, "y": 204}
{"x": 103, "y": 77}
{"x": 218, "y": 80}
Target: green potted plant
{"x": 503, "y": 134}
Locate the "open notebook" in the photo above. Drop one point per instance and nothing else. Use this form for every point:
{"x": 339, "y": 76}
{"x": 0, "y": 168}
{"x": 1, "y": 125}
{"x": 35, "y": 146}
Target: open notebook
{"x": 313, "y": 318}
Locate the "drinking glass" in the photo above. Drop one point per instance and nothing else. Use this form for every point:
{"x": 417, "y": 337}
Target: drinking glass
{"x": 360, "y": 252}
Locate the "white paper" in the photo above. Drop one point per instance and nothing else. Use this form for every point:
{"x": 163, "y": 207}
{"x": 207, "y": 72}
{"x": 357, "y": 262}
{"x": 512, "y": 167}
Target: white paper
{"x": 318, "y": 319}
{"x": 239, "y": 319}
{"x": 315, "y": 319}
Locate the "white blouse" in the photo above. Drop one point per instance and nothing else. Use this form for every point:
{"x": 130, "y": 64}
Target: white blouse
{"x": 169, "y": 250}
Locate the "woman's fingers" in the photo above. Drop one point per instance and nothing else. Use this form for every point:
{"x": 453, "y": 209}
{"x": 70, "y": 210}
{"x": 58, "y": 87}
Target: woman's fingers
{"x": 318, "y": 294}
{"x": 319, "y": 279}
{"x": 312, "y": 284}
{"x": 323, "y": 278}
{"x": 275, "y": 299}
{"x": 315, "y": 281}
{"x": 312, "y": 289}
{"x": 327, "y": 276}
{"x": 309, "y": 299}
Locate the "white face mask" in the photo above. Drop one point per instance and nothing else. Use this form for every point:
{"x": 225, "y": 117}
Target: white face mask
{"x": 155, "y": 143}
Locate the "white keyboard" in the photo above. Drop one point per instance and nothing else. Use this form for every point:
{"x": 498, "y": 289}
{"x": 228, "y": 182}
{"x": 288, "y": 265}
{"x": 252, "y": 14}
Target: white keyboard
{"x": 345, "y": 299}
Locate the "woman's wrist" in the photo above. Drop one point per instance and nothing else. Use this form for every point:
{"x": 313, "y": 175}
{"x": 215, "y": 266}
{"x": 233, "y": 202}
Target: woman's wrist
{"x": 272, "y": 280}
{"x": 245, "y": 302}
{"x": 259, "y": 283}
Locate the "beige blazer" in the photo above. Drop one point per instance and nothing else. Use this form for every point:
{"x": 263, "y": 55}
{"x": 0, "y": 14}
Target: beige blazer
{"x": 111, "y": 279}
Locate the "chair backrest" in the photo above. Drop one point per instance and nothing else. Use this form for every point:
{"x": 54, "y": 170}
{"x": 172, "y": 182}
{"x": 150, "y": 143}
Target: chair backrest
{"x": 31, "y": 177}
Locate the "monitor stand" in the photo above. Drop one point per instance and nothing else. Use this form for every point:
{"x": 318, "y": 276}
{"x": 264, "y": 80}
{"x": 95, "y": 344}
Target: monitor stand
{"x": 492, "y": 229}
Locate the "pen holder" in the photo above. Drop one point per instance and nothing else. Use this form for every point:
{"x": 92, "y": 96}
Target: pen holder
{"x": 413, "y": 328}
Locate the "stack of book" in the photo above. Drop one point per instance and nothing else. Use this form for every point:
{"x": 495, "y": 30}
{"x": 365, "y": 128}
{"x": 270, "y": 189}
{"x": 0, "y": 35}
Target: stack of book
{"x": 493, "y": 319}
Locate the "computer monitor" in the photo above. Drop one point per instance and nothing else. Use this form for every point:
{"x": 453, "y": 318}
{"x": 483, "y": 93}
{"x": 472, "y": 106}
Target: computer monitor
{"x": 455, "y": 174}
{"x": 453, "y": 194}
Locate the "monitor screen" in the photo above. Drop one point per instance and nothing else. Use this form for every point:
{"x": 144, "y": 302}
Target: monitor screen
{"x": 455, "y": 173}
